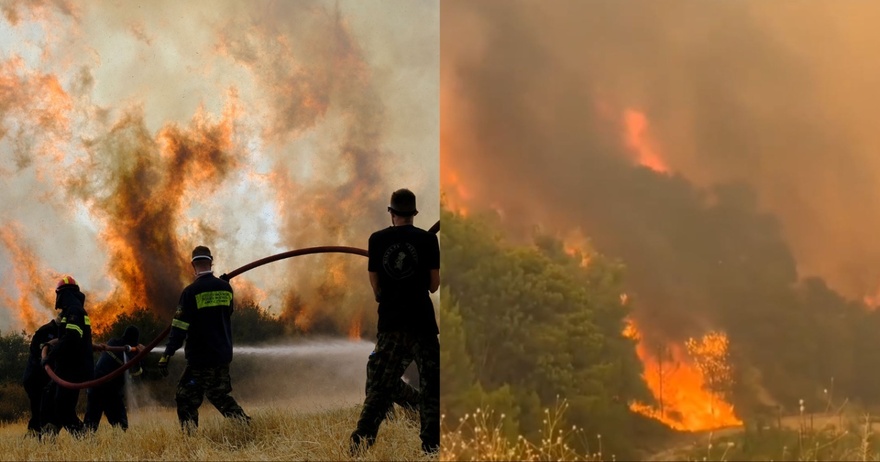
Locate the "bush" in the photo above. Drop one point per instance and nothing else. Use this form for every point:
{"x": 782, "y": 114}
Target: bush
{"x": 14, "y": 403}
{"x": 13, "y": 356}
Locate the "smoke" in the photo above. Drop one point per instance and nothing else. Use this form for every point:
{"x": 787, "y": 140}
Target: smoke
{"x": 717, "y": 148}
{"x": 130, "y": 134}
{"x": 776, "y": 96}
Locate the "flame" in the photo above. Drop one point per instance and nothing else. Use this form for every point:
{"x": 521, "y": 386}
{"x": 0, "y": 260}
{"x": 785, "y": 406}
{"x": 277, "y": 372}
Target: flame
{"x": 637, "y": 140}
{"x": 354, "y": 332}
{"x": 576, "y": 244}
{"x": 679, "y": 386}
{"x": 27, "y": 276}
{"x": 872, "y": 301}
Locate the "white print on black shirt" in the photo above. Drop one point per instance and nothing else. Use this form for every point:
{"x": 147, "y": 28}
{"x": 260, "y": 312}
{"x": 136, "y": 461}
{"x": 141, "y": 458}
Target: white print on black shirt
{"x": 400, "y": 260}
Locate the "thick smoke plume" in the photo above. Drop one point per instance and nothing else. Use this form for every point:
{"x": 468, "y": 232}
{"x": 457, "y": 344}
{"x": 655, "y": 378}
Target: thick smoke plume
{"x": 716, "y": 148}
{"x": 777, "y": 96}
{"x": 130, "y": 135}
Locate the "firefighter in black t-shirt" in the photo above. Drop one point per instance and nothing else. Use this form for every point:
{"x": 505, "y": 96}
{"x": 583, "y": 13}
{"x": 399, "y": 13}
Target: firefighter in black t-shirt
{"x": 203, "y": 320}
{"x": 404, "y": 268}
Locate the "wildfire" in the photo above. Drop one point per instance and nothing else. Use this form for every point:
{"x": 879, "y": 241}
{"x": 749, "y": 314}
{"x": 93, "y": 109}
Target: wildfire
{"x": 27, "y": 276}
{"x": 577, "y": 245}
{"x": 687, "y": 382}
{"x": 354, "y": 332}
{"x": 455, "y": 193}
{"x": 637, "y": 139}
{"x": 872, "y": 301}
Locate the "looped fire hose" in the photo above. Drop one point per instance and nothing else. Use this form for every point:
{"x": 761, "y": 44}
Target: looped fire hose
{"x": 143, "y": 352}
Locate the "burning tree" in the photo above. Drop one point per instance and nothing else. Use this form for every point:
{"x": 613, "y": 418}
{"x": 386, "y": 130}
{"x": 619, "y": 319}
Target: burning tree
{"x": 711, "y": 356}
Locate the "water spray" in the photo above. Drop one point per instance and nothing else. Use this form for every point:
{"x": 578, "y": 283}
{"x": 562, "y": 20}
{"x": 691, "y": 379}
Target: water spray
{"x": 141, "y": 352}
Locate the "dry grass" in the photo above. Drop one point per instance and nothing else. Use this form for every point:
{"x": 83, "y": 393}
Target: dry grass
{"x": 276, "y": 433}
{"x": 479, "y": 436}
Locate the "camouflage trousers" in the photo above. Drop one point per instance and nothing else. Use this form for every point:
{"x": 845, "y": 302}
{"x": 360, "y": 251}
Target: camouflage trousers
{"x": 199, "y": 382}
{"x": 403, "y": 394}
{"x": 385, "y": 366}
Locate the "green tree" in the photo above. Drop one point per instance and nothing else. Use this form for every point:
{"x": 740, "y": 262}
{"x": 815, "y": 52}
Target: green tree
{"x": 538, "y": 323}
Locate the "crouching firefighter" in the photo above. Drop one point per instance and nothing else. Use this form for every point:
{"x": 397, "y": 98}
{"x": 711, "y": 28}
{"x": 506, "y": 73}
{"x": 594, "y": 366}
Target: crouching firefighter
{"x": 71, "y": 359}
{"x": 109, "y": 398}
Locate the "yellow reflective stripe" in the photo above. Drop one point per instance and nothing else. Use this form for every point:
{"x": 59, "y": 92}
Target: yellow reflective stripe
{"x": 180, "y": 324}
{"x": 63, "y": 319}
{"x": 88, "y": 321}
{"x": 76, "y": 328}
{"x": 215, "y": 298}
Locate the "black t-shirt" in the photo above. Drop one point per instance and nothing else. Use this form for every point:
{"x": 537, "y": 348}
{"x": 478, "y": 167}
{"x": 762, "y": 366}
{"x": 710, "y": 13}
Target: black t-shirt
{"x": 403, "y": 257}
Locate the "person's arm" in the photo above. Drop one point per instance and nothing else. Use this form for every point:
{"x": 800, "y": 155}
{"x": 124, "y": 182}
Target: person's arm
{"x": 435, "y": 280}
{"x": 374, "y": 282}
{"x": 179, "y": 327}
{"x": 434, "y": 264}
{"x": 373, "y": 265}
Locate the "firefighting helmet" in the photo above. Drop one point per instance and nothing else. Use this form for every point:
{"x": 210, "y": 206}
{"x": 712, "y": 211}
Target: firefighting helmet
{"x": 66, "y": 282}
{"x": 403, "y": 203}
{"x": 131, "y": 336}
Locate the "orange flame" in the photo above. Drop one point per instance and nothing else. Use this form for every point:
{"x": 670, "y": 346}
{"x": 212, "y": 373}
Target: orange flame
{"x": 680, "y": 387}
{"x": 27, "y": 278}
{"x": 637, "y": 139}
{"x": 354, "y": 332}
{"x": 577, "y": 245}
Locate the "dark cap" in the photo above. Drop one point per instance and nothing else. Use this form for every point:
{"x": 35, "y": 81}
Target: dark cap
{"x": 131, "y": 336}
{"x": 201, "y": 252}
{"x": 403, "y": 203}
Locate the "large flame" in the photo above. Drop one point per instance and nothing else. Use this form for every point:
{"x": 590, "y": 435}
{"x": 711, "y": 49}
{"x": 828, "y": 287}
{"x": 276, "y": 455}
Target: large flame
{"x": 680, "y": 385}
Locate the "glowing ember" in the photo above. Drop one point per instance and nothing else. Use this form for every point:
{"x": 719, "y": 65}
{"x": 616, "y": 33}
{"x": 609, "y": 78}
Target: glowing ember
{"x": 686, "y": 382}
{"x": 637, "y": 139}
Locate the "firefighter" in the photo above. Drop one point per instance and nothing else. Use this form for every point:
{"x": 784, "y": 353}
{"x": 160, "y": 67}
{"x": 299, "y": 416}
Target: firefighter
{"x": 35, "y": 378}
{"x": 109, "y": 398}
{"x": 404, "y": 269}
{"x": 71, "y": 359}
{"x": 202, "y": 319}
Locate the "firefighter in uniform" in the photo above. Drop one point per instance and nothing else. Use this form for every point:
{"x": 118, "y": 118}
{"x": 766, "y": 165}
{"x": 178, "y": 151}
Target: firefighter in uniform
{"x": 203, "y": 320}
{"x": 71, "y": 359}
{"x": 35, "y": 378}
{"x": 404, "y": 268}
{"x": 109, "y": 398}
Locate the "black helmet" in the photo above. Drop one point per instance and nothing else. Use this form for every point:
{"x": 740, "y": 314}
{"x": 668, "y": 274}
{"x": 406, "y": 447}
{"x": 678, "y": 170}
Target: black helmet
{"x": 131, "y": 336}
{"x": 403, "y": 203}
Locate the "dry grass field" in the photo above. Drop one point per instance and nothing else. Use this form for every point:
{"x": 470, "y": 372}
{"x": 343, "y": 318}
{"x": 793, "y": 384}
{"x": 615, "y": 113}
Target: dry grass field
{"x": 276, "y": 433}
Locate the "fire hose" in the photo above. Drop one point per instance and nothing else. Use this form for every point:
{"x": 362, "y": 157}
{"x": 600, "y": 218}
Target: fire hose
{"x": 142, "y": 352}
